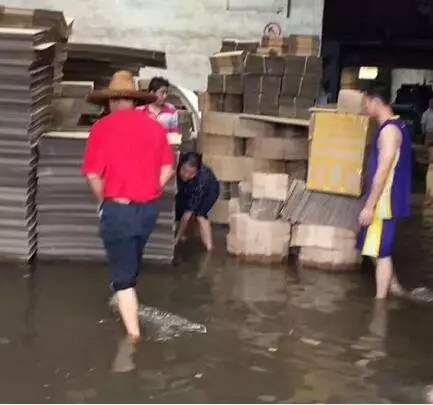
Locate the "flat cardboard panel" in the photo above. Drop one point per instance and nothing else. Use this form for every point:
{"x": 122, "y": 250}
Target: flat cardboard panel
{"x": 295, "y": 107}
{"x": 220, "y": 145}
{"x": 219, "y": 123}
{"x": 227, "y": 63}
{"x": 351, "y": 102}
{"x": 229, "y": 168}
{"x": 303, "y": 65}
{"x": 338, "y": 152}
{"x": 270, "y": 186}
{"x": 274, "y": 148}
{"x": 267, "y": 84}
{"x": 326, "y": 237}
{"x": 220, "y": 212}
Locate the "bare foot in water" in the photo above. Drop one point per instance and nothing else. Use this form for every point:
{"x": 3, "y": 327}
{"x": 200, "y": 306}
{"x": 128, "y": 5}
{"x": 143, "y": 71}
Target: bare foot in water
{"x": 124, "y": 362}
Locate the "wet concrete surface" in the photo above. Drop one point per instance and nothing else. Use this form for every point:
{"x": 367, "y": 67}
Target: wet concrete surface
{"x": 275, "y": 334}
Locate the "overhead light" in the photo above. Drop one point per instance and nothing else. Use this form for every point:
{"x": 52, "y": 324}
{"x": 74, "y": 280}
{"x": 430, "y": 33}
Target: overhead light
{"x": 368, "y": 72}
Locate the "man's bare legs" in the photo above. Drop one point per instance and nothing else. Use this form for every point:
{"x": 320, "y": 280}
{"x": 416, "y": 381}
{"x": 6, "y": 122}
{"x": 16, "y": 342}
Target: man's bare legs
{"x": 128, "y": 308}
{"x": 386, "y": 280}
{"x": 206, "y": 232}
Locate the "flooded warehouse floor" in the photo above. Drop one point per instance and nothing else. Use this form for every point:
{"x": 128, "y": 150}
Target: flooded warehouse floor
{"x": 275, "y": 334}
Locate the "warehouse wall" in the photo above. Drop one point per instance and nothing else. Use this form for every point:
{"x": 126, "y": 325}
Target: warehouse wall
{"x": 187, "y": 30}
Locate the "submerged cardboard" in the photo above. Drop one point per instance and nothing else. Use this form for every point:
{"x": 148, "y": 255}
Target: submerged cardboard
{"x": 329, "y": 259}
{"x": 326, "y": 237}
{"x": 338, "y": 152}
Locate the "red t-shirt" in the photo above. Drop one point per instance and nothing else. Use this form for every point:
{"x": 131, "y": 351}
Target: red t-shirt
{"x": 127, "y": 149}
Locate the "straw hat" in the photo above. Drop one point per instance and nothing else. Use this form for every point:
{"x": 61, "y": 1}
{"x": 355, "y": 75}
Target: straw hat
{"x": 121, "y": 86}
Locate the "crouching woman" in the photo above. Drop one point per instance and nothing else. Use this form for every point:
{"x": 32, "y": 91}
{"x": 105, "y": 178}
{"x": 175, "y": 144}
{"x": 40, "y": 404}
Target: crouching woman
{"x": 198, "y": 190}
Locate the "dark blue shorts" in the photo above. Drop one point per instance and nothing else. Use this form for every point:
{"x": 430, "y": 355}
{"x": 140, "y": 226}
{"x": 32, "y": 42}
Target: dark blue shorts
{"x": 125, "y": 229}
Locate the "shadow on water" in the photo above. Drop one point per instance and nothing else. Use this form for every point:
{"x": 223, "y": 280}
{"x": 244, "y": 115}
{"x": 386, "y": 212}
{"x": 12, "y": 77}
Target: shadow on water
{"x": 275, "y": 334}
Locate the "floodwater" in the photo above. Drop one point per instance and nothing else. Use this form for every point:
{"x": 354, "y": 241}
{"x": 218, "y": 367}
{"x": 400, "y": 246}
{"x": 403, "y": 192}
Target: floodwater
{"x": 275, "y": 334}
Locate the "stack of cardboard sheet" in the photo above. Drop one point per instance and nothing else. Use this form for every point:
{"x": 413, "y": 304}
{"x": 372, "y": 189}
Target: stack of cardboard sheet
{"x": 225, "y": 83}
{"x": 26, "y": 90}
{"x": 276, "y": 46}
{"x": 326, "y": 247}
{"x": 339, "y": 151}
{"x": 300, "y": 85}
{"x": 304, "y": 45}
{"x": 262, "y": 84}
{"x": 57, "y": 30}
{"x": 97, "y": 63}
{"x": 68, "y": 222}
{"x": 70, "y": 108}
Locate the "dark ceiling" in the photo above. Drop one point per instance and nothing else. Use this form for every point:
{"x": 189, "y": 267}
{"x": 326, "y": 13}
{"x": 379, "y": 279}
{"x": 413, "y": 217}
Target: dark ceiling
{"x": 383, "y": 20}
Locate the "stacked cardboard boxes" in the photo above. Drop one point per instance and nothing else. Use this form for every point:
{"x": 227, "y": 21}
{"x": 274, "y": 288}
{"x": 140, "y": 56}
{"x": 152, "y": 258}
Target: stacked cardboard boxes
{"x": 26, "y": 91}
{"x": 299, "y": 45}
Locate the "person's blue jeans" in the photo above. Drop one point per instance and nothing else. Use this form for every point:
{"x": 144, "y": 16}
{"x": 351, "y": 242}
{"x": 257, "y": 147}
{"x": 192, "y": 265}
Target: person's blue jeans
{"x": 125, "y": 230}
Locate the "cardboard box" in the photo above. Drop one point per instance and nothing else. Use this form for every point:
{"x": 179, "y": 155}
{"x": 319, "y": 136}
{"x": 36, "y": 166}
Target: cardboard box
{"x": 230, "y": 45}
{"x": 250, "y": 128}
{"x": 250, "y": 237}
{"x": 275, "y": 41}
{"x": 267, "y": 166}
{"x": 297, "y": 170}
{"x": 295, "y": 107}
{"x": 273, "y": 51}
{"x": 270, "y": 186}
{"x": 290, "y": 131}
{"x": 351, "y": 102}
{"x": 224, "y": 103}
{"x": 229, "y": 168}
{"x": 304, "y": 45}
{"x": 209, "y": 144}
{"x": 306, "y": 86}
{"x": 326, "y": 237}
{"x": 234, "y": 206}
{"x": 262, "y": 64}
{"x": 338, "y": 152}
{"x": 267, "y": 84}
{"x": 303, "y": 65}
{"x": 273, "y": 148}
{"x": 228, "y": 63}
{"x": 220, "y": 123}
{"x": 330, "y": 260}
{"x": 220, "y": 212}
{"x": 227, "y": 84}
{"x": 262, "y": 103}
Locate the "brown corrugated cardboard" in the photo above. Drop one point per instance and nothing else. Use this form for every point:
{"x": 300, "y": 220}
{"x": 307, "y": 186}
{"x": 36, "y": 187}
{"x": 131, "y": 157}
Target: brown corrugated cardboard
{"x": 250, "y": 237}
{"x": 224, "y": 103}
{"x": 229, "y": 45}
{"x": 338, "y": 153}
{"x": 306, "y": 86}
{"x": 262, "y": 103}
{"x": 266, "y": 84}
{"x": 209, "y": 144}
{"x": 229, "y": 168}
{"x": 351, "y": 101}
{"x": 331, "y": 260}
{"x": 228, "y": 84}
{"x": 250, "y": 128}
{"x": 273, "y": 148}
{"x": 304, "y": 45}
{"x": 227, "y": 63}
{"x": 275, "y": 41}
{"x": 273, "y": 51}
{"x": 220, "y": 212}
{"x": 220, "y": 123}
{"x": 270, "y": 186}
{"x": 326, "y": 237}
{"x": 295, "y": 107}
{"x": 261, "y": 64}
{"x": 303, "y": 65}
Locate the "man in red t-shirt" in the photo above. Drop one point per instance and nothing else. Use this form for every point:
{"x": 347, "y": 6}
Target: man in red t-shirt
{"x": 127, "y": 162}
